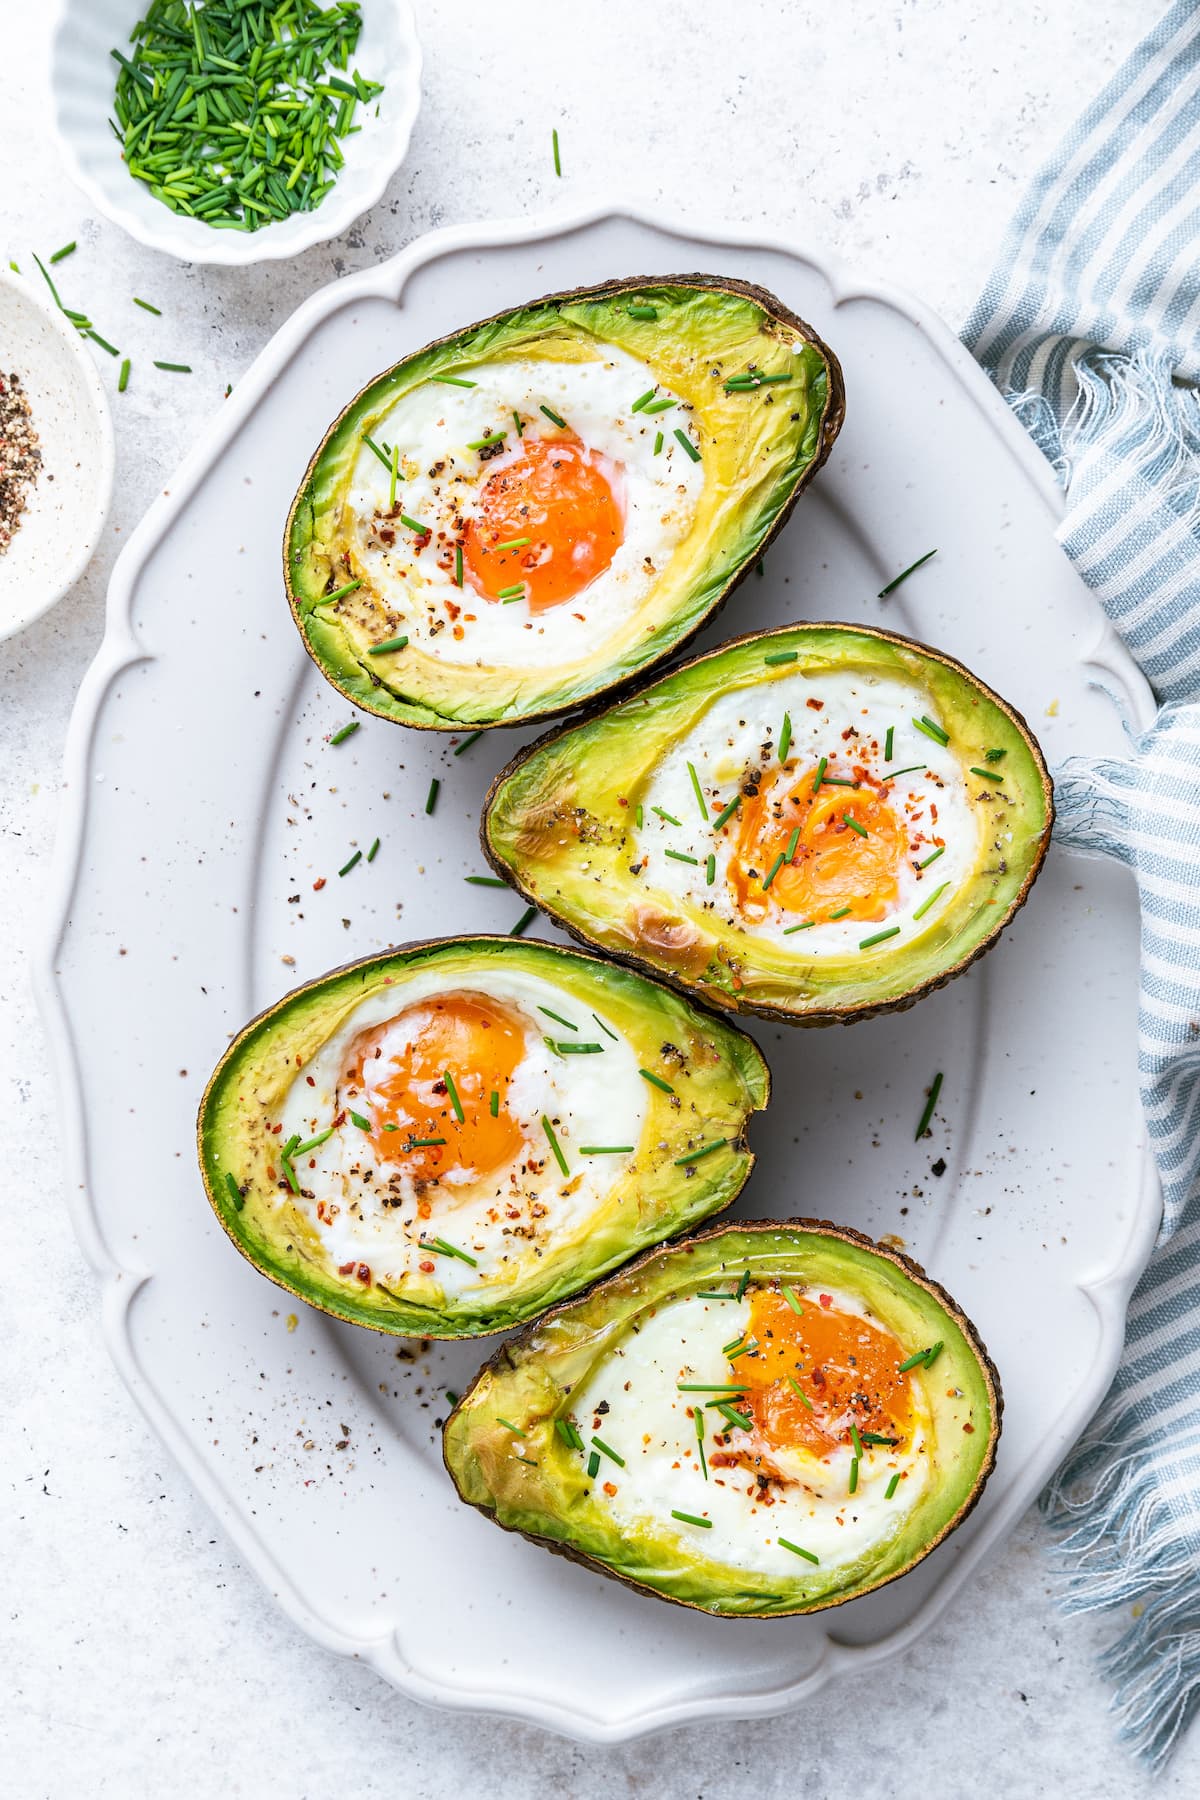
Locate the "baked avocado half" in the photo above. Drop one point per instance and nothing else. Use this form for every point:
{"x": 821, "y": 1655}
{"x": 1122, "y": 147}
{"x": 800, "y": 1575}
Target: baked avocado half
{"x": 536, "y": 508}
{"x": 443, "y": 1140}
{"x": 767, "y": 1418}
{"x": 815, "y": 823}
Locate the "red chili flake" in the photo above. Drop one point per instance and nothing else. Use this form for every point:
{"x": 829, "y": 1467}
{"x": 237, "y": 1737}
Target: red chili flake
{"x": 610, "y": 1488}
{"x": 340, "y": 1120}
{"x": 318, "y": 885}
{"x": 346, "y": 1268}
{"x": 622, "y": 802}
{"x": 815, "y": 705}
{"x": 311, "y": 1080}
{"x": 426, "y": 1268}
{"x": 825, "y": 1299}
{"x": 270, "y": 1173}
{"x": 276, "y": 1129}
{"x": 363, "y": 1272}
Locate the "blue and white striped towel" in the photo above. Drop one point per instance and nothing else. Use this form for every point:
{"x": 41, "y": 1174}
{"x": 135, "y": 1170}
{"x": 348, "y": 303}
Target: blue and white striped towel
{"x": 1091, "y": 326}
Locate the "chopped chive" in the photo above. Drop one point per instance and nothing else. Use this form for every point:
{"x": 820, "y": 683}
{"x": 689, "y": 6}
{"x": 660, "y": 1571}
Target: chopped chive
{"x": 931, "y": 730}
{"x": 683, "y": 1162}
{"x": 454, "y": 381}
{"x": 877, "y": 1437}
{"x": 658, "y": 406}
{"x": 175, "y": 368}
{"x": 785, "y": 856}
{"x": 931, "y": 902}
{"x": 422, "y": 1143}
{"x": 638, "y": 816}
{"x": 513, "y": 544}
{"x": 607, "y": 1450}
{"x": 994, "y": 755}
{"x": 105, "y": 345}
{"x": 509, "y": 1426}
{"x": 557, "y": 157}
{"x": 606, "y": 1149}
{"x": 393, "y": 477}
{"x": 940, "y": 851}
{"x": 691, "y": 1519}
{"x": 123, "y": 377}
{"x": 452, "y": 1090}
{"x": 639, "y": 310}
{"x": 682, "y": 856}
{"x": 373, "y": 852}
{"x": 892, "y": 1485}
{"x": 727, "y": 812}
{"x": 804, "y": 925}
{"x": 933, "y": 1353}
{"x": 699, "y": 1418}
{"x": 734, "y": 1420}
{"x": 440, "y": 1247}
{"x": 494, "y": 1103}
{"x": 721, "y": 1387}
{"x": 686, "y": 443}
{"x": 518, "y": 424}
{"x": 529, "y": 1462}
{"x": 658, "y": 443}
{"x": 785, "y": 737}
{"x": 840, "y": 913}
{"x": 558, "y": 1018}
{"x": 396, "y": 643}
{"x": 65, "y": 251}
{"x": 569, "y": 1434}
{"x": 789, "y": 1295}
{"x": 431, "y": 797}
{"x": 698, "y": 791}
{"x": 516, "y": 592}
{"x": 313, "y": 1143}
{"x": 774, "y": 870}
{"x": 235, "y": 1192}
{"x": 412, "y": 524}
{"x": 740, "y": 1349}
{"x": 710, "y": 871}
{"x": 488, "y": 442}
{"x": 855, "y": 1439}
{"x": 574, "y": 1048}
{"x": 467, "y": 742}
{"x": 895, "y": 774}
{"x": 458, "y": 565}
{"x": 796, "y": 1550}
{"x": 593, "y": 1465}
{"x": 799, "y": 1392}
{"x": 782, "y": 656}
{"x": 853, "y": 1486}
{"x": 887, "y": 743}
{"x": 656, "y": 1081}
{"x": 643, "y": 399}
{"x": 339, "y": 737}
{"x": 356, "y": 1118}
{"x": 553, "y": 417}
{"x": 666, "y": 817}
{"x": 146, "y": 307}
{"x": 373, "y": 447}
{"x": 354, "y": 860}
{"x": 927, "y": 1114}
{"x": 988, "y": 774}
{"x": 912, "y": 1361}
{"x": 743, "y": 1284}
{"x": 559, "y": 1158}
{"x": 904, "y": 575}
{"x": 604, "y": 1028}
{"x": 879, "y": 937}
{"x": 524, "y": 922}
{"x": 839, "y": 781}
{"x": 820, "y": 775}
{"x": 854, "y": 825}
{"x": 451, "y": 1397}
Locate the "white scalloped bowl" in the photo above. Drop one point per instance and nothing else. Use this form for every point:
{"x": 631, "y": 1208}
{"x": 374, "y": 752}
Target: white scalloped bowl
{"x": 83, "y": 79}
{"x": 67, "y": 505}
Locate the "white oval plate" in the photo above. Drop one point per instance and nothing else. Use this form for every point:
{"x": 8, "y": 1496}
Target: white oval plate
{"x": 202, "y": 797}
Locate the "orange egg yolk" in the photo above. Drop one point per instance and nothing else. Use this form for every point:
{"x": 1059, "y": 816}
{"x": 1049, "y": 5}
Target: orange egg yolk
{"x": 846, "y": 846}
{"x": 846, "y": 1368}
{"x": 400, "y": 1070}
{"x": 556, "y": 507}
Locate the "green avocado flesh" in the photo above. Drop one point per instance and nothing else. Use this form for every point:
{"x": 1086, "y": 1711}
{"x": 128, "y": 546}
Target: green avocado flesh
{"x": 413, "y": 1246}
{"x": 522, "y": 1443}
{"x": 639, "y": 373}
{"x": 899, "y": 834}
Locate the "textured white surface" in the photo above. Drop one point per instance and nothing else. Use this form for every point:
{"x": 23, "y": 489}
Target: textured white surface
{"x": 139, "y": 1655}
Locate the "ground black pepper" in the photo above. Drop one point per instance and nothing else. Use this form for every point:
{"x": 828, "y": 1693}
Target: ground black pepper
{"x": 20, "y": 458}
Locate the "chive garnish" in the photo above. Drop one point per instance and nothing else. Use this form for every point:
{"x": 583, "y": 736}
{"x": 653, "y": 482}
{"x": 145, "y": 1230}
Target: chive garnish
{"x": 994, "y": 755}
{"x": 639, "y": 310}
{"x": 643, "y": 399}
{"x": 373, "y": 447}
{"x": 593, "y": 1466}
{"x": 339, "y": 737}
{"x": 524, "y": 922}
{"x": 657, "y": 406}
{"x": 423, "y": 1143}
{"x": 789, "y": 1295}
{"x": 354, "y": 861}
{"x": 454, "y": 381}
{"x": 840, "y": 913}
{"x": 373, "y": 852}
{"x": 904, "y": 575}
{"x": 796, "y": 1550}
{"x": 557, "y": 157}
{"x": 656, "y": 1081}
{"x": 515, "y": 592}
{"x": 637, "y": 813}
{"x": 887, "y": 743}
{"x": 931, "y": 730}
{"x": 895, "y": 774}
{"x": 988, "y": 774}
{"x": 112, "y": 348}
{"x": 683, "y": 1162}
{"x": 820, "y": 774}
{"x": 927, "y": 1113}
{"x": 785, "y": 737}
{"x": 458, "y": 565}
{"x": 65, "y": 251}
{"x": 853, "y": 1486}
{"x": 782, "y": 656}
{"x": 734, "y": 1420}
{"x": 575, "y": 1048}
{"x": 494, "y": 1103}
{"x": 513, "y": 544}
{"x": 912, "y": 1361}
{"x": 467, "y": 742}
{"x": 509, "y": 1426}
{"x": 235, "y": 1192}
{"x": 940, "y": 851}
{"x": 855, "y": 1439}
{"x": 879, "y": 937}
{"x": 452, "y": 1090}
{"x": 569, "y": 1434}
{"x": 559, "y": 1158}
{"x": 431, "y": 797}
{"x": 710, "y": 871}
{"x": 743, "y": 1284}
{"x": 666, "y": 817}
{"x": 686, "y": 443}
{"x": 699, "y": 1418}
{"x": 799, "y": 1392}
{"x": 727, "y": 812}
{"x": 495, "y": 881}
{"x": 486, "y": 443}
{"x": 838, "y": 781}
{"x": 877, "y": 1437}
{"x": 146, "y": 307}
{"x": 412, "y": 524}
{"x": 606, "y": 1149}
{"x": 558, "y": 1018}
{"x": 698, "y": 791}
{"x": 892, "y": 1485}
{"x": 312, "y": 1144}
{"x": 172, "y": 368}
{"x": 356, "y": 1118}
{"x": 393, "y": 477}
{"x": 607, "y": 1450}
{"x": 340, "y": 593}
{"x": 721, "y": 1387}
{"x": 123, "y": 377}
{"x": 517, "y": 422}
{"x": 553, "y": 417}
{"x": 933, "y": 1353}
{"x": 682, "y": 856}
{"x": 848, "y": 819}
{"x": 440, "y": 1247}
{"x": 604, "y": 1028}
{"x": 529, "y": 1462}
{"x": 735, "y": 1346}
{"x": 658, "y": 442}
{"x": 396, "y": 643}
{"x": 932, "y": 901}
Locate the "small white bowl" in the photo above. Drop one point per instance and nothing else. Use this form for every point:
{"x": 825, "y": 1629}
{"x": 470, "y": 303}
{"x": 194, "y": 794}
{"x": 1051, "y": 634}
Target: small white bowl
{"x": 67, "y": 505}
{"x": 83, "y": 79}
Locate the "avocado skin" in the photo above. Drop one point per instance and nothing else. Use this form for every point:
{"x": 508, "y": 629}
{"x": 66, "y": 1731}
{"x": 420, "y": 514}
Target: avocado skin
{"x": 832, "y": 1010}
{"x": 364, "y": 687}
{"x": 668, "y": 1200}
{"x": 968, "y": 1359}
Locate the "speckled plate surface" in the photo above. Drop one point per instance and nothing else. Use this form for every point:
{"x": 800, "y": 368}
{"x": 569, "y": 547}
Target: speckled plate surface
{"x": 204, "y": 804}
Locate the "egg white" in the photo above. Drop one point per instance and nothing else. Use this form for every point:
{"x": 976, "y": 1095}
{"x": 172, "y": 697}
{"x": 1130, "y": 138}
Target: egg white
{"x": 646, "y": 1421}
{"x": 440, "y": 479}
{"x": 594, "y": 1099}
{"x": 741, "y": 730}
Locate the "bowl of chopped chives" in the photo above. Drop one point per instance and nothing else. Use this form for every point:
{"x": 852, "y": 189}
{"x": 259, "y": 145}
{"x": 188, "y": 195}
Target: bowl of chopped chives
{"x": 234, "y": 131}
{"x": 56, "y": 451}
